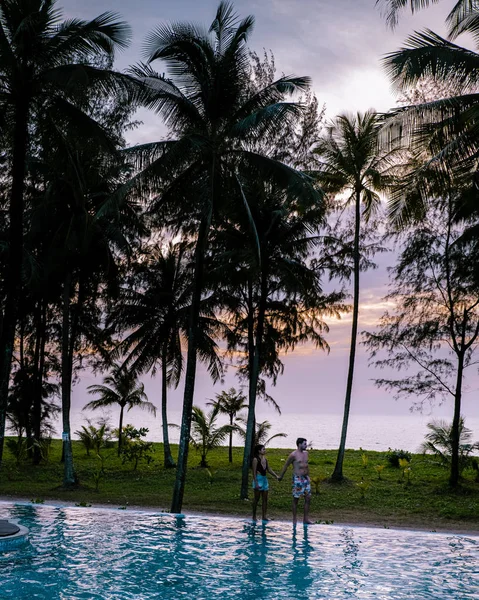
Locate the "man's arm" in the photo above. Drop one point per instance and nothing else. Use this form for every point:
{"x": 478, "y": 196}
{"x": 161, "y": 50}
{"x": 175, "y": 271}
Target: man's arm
{"x": 289, "y": 461}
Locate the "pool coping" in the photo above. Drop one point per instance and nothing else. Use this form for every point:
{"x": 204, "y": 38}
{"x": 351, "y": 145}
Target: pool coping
{"x": 15, "y": 540}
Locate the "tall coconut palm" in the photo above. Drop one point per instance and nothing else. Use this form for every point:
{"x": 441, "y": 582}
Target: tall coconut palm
{"x": 208, "y": 105}
{"x": 352, "y": 164}
{"x": 122, "y": 388}
{"x": 82, "y": 234}
{"x": 43, "y": 65}
{"x": 154, "y": 307}
{"x": 230, "y": 403}
{"x": 273, "y": 295}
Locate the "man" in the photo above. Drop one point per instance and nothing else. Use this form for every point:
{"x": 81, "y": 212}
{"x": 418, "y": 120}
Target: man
{"x": 301, "y": 482}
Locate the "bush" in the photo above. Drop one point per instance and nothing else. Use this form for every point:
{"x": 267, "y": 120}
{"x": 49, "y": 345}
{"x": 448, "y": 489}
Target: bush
{"x": 393, "y": 457}
{"x": 18, "y": 448}
{"x": 95, "y": 437}
{"x": 439, "y": 442}
{"x": 134, "y": 448}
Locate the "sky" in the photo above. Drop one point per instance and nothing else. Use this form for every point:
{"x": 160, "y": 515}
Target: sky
{"x": 339, "y": 44}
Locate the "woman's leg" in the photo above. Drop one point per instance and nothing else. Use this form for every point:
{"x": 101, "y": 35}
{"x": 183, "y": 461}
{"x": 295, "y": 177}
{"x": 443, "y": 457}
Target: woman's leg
{"x": 257, "y": 494}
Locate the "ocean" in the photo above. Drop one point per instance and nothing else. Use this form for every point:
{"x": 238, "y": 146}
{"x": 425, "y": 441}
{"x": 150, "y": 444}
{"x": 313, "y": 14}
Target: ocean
{"x": 370, "y": 432}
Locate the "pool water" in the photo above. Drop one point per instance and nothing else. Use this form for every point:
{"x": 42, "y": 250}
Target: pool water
{"x": 85, "y": 553}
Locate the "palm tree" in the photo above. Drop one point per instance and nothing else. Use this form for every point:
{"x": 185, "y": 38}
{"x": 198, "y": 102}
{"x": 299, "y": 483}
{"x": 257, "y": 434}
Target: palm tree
{"x": 446, "y": 126}
{"x": 205, "y": 435}
{"x": 120, "y": 387}
{"x": 43, "y": 65}
{"x": 350, "y": 162}
{"x": 154, "y": 307}
{"x": 274, "y": 295}
{"x": 83, "y": 235}
{"x": 440, "y": 442}
{"x": 94, "y": 437}
{"x": 206, "y": 101}
{"x": 261, "y": 433}
{"x": 21, "y": 411}
{"x": 230, "y": 403}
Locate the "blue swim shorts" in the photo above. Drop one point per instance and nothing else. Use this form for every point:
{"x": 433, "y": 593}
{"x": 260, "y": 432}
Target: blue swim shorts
{"x": 263, "y": 485}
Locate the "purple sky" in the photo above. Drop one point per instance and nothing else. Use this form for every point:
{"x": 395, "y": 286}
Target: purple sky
{"x": 339, "y": 44}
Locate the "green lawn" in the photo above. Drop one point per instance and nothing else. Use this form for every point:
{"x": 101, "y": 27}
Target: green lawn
{"x": 425, "y": 502}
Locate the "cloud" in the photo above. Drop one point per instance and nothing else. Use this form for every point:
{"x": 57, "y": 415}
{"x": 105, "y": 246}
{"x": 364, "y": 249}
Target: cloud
{"x": 339, "y": 44}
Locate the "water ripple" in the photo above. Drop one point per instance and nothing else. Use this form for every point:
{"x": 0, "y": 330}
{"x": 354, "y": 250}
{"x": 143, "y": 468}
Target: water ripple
{"x": 81, "y": 553}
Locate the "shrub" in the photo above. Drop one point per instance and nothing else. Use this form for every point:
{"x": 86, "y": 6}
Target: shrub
{"x": 438, "y": 441}
{"x": 95, "y": 437}
{"x": 475, "y": 467}
{"x": 134, "y": 448}
{"x": 316, "y": 481}
{"x": 393, "y": 457}
{"x": 18, "y": 448}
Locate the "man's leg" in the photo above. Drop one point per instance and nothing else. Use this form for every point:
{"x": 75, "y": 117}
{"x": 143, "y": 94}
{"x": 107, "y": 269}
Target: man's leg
{"x": 295, "y": 509}
{"x": 307, "y": 502}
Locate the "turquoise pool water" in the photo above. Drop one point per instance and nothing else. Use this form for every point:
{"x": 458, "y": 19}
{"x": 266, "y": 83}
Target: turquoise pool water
{"x": 96, "y": 554}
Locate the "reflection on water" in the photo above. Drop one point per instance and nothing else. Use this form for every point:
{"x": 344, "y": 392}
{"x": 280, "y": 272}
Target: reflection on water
{"x": 301, "y": 573}
{"x": 77, "y": 553}
{"x": 349, "y": 572}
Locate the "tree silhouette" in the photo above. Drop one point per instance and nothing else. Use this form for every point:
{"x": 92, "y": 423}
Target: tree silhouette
{"x": 122, "y": 388}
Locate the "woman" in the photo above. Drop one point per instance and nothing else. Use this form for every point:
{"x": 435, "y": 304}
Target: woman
{"x": 260, "y": 481}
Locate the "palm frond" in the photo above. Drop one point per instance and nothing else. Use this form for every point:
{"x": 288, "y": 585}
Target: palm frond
{"x": 105, "y": 33}
{"x": 299, "y": 186}
{"x": 427, "y": 54}
{"x": 460, "y": 14}
{"x": 393, "y": 7}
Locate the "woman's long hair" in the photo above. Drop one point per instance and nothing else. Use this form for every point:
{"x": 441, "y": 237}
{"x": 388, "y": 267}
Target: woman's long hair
{"x": 257, "y": 448}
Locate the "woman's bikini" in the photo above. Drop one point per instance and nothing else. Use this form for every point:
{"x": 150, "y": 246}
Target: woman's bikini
{"x": 260, "y": 469}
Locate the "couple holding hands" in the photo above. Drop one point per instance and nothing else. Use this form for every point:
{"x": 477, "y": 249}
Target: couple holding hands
{"x": 301, "y": 482}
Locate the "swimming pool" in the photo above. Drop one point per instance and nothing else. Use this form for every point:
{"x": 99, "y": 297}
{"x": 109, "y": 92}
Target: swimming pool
{"x": 104, "y": 554}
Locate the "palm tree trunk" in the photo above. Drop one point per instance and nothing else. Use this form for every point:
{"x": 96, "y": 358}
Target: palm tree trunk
{"x": 168, "y": 461}
{"x": 68, "y": 471}
{"x": 28, "y": 401}
{"x": 15, "y": 259}
{"x": 201, "y": 244}
{"x": 338, "y": 469}
{"x": 39, "y": 365}
{"x": 230, "y": 450}
{"x": 454, "y": 474}
{"x": 250, "y": 426}
{"x": 120, "y": 430}
{"x": 253, "y": 383}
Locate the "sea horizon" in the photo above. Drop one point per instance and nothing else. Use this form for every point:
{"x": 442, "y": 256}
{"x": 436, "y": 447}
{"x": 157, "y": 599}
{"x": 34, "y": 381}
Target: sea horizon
{"x": 322, "y": 430}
